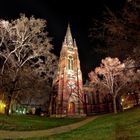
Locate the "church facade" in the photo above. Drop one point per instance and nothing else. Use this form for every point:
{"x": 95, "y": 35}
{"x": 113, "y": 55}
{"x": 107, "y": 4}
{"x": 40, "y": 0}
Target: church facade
{"x": 68, "y": 97}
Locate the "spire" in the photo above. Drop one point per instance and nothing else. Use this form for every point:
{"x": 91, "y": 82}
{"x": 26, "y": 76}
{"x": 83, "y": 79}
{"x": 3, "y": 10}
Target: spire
{"x": 68, "y": 37}
{"x": 74, "y": 43}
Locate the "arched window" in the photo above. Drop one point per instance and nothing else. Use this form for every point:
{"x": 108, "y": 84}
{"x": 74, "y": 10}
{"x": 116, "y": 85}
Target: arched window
{"x": 70, "y": 62}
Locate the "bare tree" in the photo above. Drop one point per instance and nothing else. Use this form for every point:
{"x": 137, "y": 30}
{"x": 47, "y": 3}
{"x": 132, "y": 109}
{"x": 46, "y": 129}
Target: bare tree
{"x": 113, "y": 76}
{"x": 119, "y": 31}
{"x": 24, "y": 43}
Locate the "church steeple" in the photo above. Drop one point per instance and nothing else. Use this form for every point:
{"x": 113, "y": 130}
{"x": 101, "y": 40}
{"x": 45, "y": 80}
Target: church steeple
{"x": 68, "y": 38}
{"x": 68, "y": 82}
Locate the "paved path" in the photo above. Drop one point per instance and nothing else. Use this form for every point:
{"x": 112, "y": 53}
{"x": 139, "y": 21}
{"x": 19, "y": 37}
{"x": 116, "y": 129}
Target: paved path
{"x": 41, "y": 133}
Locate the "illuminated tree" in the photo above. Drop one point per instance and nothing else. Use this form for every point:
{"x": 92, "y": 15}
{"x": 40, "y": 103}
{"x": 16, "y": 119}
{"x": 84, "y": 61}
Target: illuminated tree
{"x": 112, "y": 75}
{"x": 24, "y": 43}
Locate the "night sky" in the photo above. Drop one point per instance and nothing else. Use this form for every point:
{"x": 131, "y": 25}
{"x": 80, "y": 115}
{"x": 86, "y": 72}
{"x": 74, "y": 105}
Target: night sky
{"x": 58, "y": 14}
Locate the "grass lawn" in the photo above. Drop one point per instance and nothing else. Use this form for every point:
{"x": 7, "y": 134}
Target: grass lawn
{"x": 122, "y": 126}
{"x": 21, "y": 122}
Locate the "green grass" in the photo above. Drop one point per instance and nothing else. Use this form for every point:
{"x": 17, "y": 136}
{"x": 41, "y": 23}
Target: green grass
{"x": 122, "y": 126}
{"x": 27, "y": 123}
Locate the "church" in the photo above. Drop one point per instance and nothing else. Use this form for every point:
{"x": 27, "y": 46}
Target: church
{"x": 68, "y": 97}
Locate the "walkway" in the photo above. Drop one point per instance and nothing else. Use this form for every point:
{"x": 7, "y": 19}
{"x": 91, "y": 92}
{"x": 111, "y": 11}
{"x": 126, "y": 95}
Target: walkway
{"x": 41, "y": 133}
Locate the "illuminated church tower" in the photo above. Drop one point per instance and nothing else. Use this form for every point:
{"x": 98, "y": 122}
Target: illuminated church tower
{"x": 68, "y": 98}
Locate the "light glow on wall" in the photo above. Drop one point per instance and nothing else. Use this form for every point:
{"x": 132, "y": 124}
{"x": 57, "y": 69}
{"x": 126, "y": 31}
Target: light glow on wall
{"x": 2, "y": 107}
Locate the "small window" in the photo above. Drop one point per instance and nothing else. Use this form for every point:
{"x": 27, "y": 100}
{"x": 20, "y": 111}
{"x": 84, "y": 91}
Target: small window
{"x": 70, "y": 48}
{"x": 70, "y": 62}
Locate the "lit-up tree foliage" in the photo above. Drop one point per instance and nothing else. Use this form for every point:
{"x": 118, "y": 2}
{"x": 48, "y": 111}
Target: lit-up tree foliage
{"x": 118, "y": 32}
{"x": 25, "y": 50}
{"x": 113, "y": 76}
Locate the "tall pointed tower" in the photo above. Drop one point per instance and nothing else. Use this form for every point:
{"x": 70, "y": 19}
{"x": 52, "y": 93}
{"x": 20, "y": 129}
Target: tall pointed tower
{"x": 68, "y": 98}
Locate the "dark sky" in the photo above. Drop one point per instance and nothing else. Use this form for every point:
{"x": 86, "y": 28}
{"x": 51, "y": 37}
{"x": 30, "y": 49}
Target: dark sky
{"x": 58, "y": 14}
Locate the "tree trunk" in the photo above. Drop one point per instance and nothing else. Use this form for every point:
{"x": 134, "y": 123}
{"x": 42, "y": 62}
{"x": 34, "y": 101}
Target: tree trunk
{"x": 114, "y": 104}
{"x": 7, "y": 111}
{"x": 50, "y": 112}
{"x": 136, "y": 98}
{"x": 118, "y": 104}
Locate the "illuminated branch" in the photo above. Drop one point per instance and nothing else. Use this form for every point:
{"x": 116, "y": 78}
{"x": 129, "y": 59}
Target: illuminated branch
{"x": 113, "y": 75}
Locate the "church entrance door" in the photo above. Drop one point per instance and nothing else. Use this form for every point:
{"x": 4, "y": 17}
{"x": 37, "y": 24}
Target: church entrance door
{"x": 71, "y": 108}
